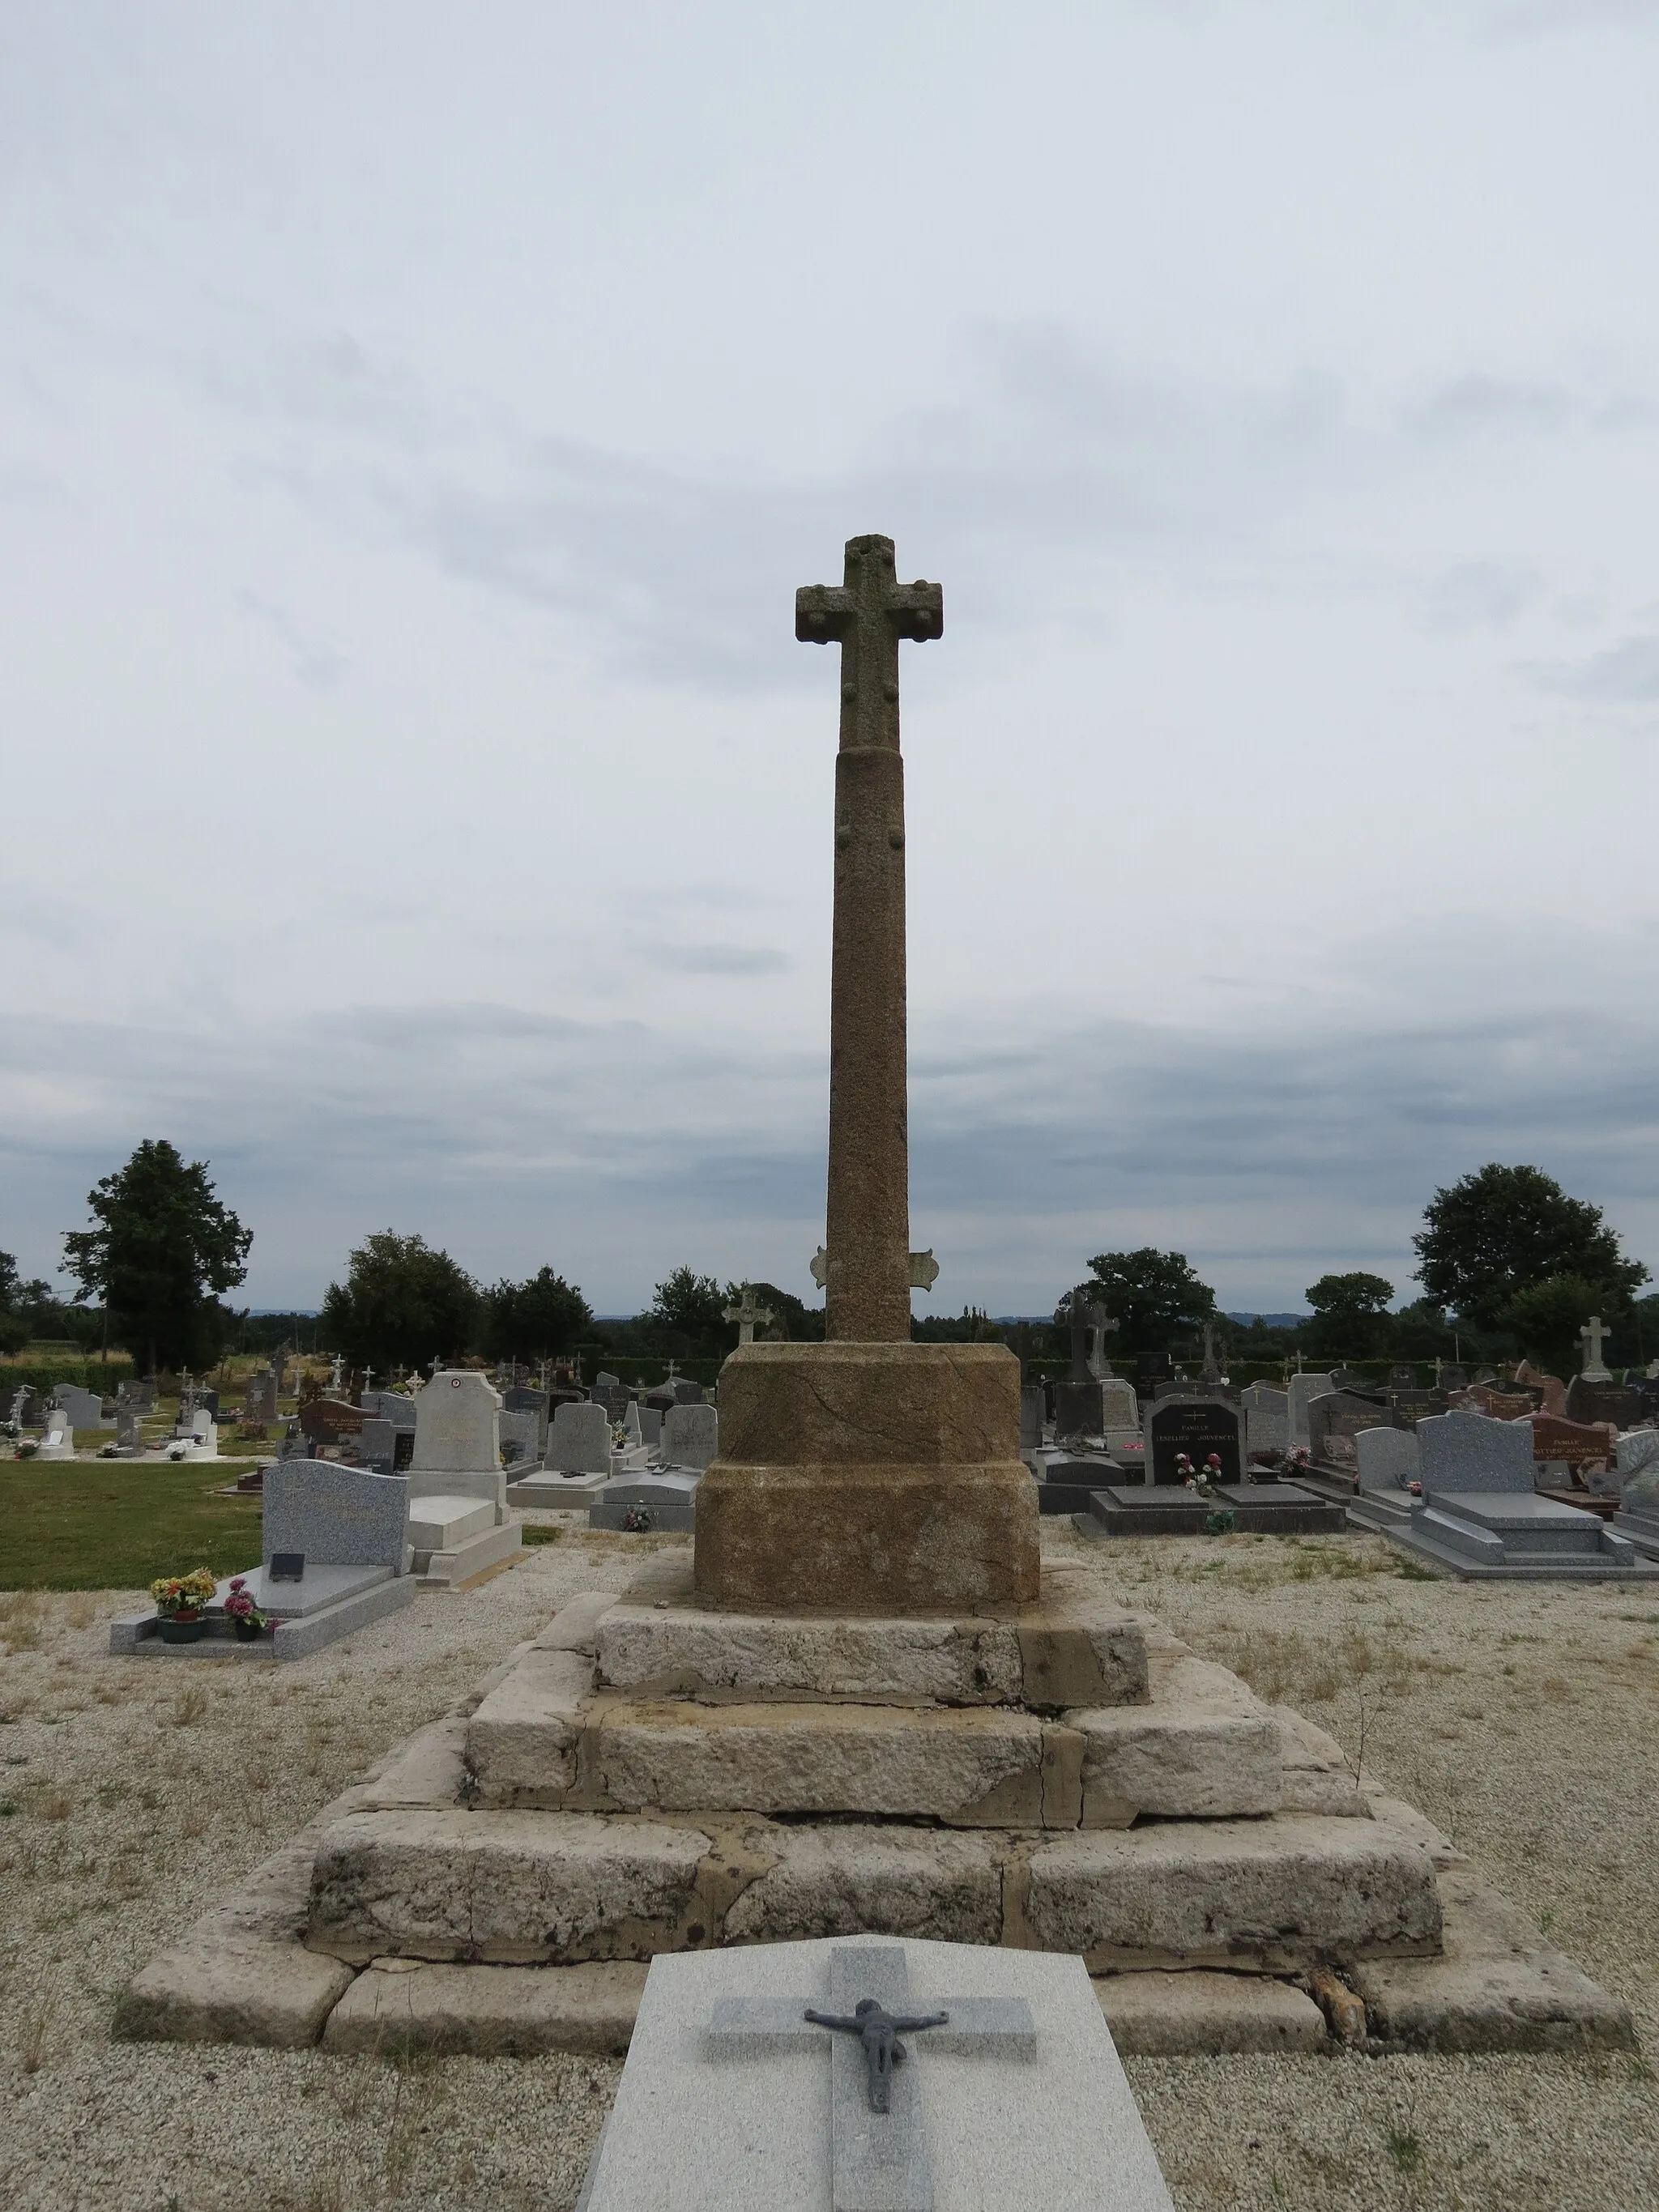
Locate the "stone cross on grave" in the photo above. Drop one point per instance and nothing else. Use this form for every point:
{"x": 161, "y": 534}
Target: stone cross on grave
{"x": 867, "y": 1270}
{"x": 879, "y": 2156}
{"x": 1592, "y": 1336}
{"x": 335, "y": 1375}
{"x": 746, "y": 1314}
{"x": 1211, "y": 1364}
{"x": 1089, "y": 1324}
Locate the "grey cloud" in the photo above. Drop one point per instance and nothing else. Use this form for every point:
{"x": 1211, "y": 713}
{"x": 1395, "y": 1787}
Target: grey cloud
{"x": 718, "y": 959}
{"x": 1472, "y": 405}
{"x": 1623, "y": 675}
{"x": 318, "y": 666}
{"x": 617, "y": 1150}
{"x": 1477, "y": 595}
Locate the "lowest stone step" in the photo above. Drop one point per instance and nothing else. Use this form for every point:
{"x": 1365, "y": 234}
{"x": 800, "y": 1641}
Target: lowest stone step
{"x": 1281, "y": 1893}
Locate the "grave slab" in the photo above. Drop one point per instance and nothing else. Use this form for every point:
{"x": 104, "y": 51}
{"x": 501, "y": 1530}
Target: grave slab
{"x": 1172, "y": 1510}
{"x": 1019, "y": 2101}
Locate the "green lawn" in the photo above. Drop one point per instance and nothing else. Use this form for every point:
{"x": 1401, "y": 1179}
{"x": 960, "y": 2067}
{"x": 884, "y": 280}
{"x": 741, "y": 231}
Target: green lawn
{"x": 114, "y": 1527}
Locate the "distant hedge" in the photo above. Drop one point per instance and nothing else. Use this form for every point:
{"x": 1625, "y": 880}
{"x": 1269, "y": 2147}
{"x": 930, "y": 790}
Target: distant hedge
{"x": 100, "y": 1375}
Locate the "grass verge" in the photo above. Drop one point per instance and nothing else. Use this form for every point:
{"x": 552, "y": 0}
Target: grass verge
{"x": 68, "y": 1527}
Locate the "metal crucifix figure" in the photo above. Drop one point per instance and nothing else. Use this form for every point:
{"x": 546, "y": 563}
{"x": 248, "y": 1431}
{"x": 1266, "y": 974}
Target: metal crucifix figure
{"x": 878, "y": 2030}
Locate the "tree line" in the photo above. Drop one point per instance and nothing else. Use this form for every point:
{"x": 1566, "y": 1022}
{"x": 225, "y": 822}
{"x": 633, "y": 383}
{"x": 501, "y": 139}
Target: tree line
{"x": 1508, "y": 1264}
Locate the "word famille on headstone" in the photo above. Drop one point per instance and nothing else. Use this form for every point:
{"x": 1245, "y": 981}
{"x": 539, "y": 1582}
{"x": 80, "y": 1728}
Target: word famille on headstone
{"x": 1197, "y": 1427}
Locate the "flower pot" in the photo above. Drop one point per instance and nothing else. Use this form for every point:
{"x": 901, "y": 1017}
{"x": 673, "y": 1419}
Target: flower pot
{"x": 179, "y": 1628}
{"x": 247, "y": 1632}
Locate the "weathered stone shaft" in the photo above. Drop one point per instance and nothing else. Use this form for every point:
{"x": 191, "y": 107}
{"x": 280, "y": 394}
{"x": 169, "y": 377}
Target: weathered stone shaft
{"x": 867, "y": 1224}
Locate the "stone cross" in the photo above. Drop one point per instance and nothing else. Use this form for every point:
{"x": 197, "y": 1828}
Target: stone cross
{"x": 1212, "y": 1364}
{"x": 335, "y": 1375}
{"x": 879, "y": 2161}
{"x": 1592, "y": 1336}
{"x": 867, "y": 1224}
{"x": 746, "y": 1313}
{"x": 1087, "y": 1322}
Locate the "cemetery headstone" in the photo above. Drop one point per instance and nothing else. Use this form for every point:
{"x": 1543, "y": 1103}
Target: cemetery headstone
{"x": 649, "y": 1499}
{"x": 1031, "y": 1416}
{"x": 1388, "y": 1459}
{"x": 129, "y": 1428}
{"x": 1120, "y": 1408}
{"x": 259, "y": 1398}
{"x": 1302, "y": 1391}
{"x": 1266, "y": 1418}
{"x": 1573, "y": 1444}
{"x": 1636, "y": 1452}
{"x": 1335, "y": 1419}
{"x": 1197, "y": 1426}
{"x": 1592, "y": 1336}
{"x": 522, "y": 1400}
{"x": 84, "y": 1407}
{"x": 1496, "y": 1404}
{"x": 375, "y": 1445}
{"x": 141, "y": 1396}
{"x": 1078, "y": 1409}
{"x": 521, "y": 1438}
{"x": 458, "y": 1518}
{"x": 58, "y": 1442}
{"x": 1401, "y": 1377}
{"x": 330, "y": 1421}
{"x": 691, "y": 1437}
{"x": 579, "y": 1441}
{"x": 1591, "y": 1400}
{"x": 1466, "y": 1451}
{"x": 748, "y": 1314}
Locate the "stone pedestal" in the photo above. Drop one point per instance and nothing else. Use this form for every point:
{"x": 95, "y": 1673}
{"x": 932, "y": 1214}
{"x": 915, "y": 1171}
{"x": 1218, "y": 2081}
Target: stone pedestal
{"x": 868, "y": 1478}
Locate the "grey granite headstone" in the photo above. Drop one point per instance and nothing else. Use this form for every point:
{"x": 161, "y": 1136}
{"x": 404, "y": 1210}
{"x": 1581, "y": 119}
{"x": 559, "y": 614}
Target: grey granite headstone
{"x": 523, "y": 1400}
{"x": 129, "y": 1428}
{"x": 84, "y": 1407}
{"x": 579, "y": 1442}
{"x": 1266, "y": 1418}
{"x": 1463, "y": 1451}
{"x": 691, "y": 1437}
{"x": 521, "y": 1438}
{"x": 376, "y": 1445}
{"x": 1635, "y": 1452}
{"x": 141, "y": 1396}
{"x": 1301, "y": 1392}
{"x": 1030, "y": 1415}
{"x": 336, "y": 1515}
{"x": 1120, "y": 1408}
{"x": 457, "y": 1430}
{"x": 1389, "y": 1459}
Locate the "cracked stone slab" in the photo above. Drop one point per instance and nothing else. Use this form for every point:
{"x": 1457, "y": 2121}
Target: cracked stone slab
{"x": 1203, "y": 2015}
{"x": 488, "y": 2011}
{"x": 1498, "y": 1985}
{"x": 240, "y": 1975}
{"x": 978, "y": 1765}
{"x": 507, "y": 1887}
{"x": 943, "y": 1885}
{"x": 1277, "y": 1894}
{"x": 522, "y": 1741}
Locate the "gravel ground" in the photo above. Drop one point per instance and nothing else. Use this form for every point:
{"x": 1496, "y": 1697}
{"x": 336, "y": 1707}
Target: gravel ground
{"x": 135, "y": 1793}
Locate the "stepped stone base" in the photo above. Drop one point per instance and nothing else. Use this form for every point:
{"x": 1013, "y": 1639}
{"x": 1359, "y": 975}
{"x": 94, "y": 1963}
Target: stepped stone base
{"x": 1204, "y": 1853}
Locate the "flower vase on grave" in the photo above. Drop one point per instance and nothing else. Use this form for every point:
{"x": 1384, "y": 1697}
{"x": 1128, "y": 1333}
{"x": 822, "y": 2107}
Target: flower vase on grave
{"x": 182, "y": 1628}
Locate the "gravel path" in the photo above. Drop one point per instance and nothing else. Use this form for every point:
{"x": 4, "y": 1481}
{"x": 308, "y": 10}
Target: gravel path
{"x": 135, "y": 1793}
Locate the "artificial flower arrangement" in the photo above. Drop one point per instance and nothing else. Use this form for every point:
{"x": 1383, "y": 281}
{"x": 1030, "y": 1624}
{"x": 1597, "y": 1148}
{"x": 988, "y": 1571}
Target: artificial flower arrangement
{"x": 181, "y": 1597}
{"x": 240, "y": 1608}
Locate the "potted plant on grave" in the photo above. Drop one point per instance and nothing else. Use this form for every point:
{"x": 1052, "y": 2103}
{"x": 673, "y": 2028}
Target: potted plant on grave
{"x": 180, "y": 1600}
{"x": 247, "y": 1617}
{"x": 638, "y": 1519}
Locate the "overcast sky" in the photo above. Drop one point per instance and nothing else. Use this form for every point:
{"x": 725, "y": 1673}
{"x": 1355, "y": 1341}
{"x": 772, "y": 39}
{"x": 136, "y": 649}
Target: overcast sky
{"x": 414, "y": 422}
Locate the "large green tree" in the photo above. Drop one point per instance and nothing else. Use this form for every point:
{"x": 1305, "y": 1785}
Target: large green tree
{"x": 1350, "y": 1316}
{"x": 163, "y": 1246}
{"x": 1152, "y": 1296}
{"x": 692, "y": 1305}
{"x": 1545, "y": 1320}
{"x": 402, "y": 1305}
{"x": 1503, "y": 1231}
{"x": 533, "y": 1319}
{"x": 15, "y": 1326}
